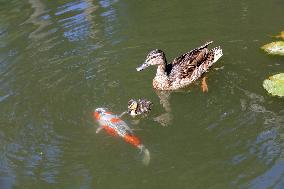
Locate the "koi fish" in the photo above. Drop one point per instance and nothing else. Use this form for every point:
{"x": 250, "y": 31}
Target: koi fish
{"x": 115, "y": 126}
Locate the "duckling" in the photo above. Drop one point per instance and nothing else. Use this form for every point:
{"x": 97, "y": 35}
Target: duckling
{"x": 184, "y": 69}
{"x": 138, "y": 107}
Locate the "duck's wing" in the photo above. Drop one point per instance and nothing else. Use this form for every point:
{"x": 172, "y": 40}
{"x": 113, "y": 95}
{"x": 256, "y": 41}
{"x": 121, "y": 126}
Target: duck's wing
{"x": 185, "y": 64}
{"x": 191, "y": 55}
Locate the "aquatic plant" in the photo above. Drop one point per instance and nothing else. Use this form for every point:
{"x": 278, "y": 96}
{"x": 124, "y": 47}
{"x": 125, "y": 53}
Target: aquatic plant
{"x": 281, "y": 35}
{"x": 275, "y": 85}
{"x": 274, "y": 48}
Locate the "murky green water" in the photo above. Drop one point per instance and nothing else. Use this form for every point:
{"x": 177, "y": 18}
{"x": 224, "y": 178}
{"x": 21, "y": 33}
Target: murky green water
{"x": 61, "y": 59}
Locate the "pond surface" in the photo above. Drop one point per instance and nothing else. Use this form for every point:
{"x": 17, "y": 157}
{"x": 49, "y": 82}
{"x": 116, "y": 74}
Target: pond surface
{"x": 59, "y": 60}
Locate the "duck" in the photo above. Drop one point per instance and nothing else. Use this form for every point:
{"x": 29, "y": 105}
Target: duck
{"x": 183, "y": 70}
{"x": 138, "y": 107}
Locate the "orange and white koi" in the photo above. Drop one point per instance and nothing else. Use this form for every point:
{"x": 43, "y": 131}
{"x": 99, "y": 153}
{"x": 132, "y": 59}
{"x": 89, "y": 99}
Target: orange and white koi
{"x": 115, "y": 126}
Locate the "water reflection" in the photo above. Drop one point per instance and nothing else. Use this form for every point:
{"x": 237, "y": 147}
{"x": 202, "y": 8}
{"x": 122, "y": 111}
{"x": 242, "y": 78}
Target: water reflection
{"x": 40, "y": 18}
{"x": 78, "y": 26}
{"x": 164, "y": 119}
{"x": 266, "y": 147}
{"x": 33, "y": 147}
{"x": 273, "y": 178}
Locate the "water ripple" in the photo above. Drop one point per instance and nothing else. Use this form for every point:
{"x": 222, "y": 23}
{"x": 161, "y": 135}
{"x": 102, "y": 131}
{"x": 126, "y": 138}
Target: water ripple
{"x": 72, "y": 6}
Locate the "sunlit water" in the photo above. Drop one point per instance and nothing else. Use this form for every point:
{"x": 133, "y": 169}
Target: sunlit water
{"x": 60, "y": 60}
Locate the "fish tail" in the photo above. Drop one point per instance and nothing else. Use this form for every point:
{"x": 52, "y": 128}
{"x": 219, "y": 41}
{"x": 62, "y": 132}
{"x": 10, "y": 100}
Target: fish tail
{"x": 145, "y": 154}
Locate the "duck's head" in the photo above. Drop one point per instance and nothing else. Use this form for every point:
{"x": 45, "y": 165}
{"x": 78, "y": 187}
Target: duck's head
{"x": 155, "y": 57}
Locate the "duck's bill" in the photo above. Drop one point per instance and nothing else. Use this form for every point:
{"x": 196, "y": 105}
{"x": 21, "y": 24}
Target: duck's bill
{"x": 142, "y": 67}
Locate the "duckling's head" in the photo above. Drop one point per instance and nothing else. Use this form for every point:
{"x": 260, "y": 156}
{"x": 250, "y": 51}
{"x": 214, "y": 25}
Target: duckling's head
{"x": 155, "y": 57}
{"x": 132, "y": 106}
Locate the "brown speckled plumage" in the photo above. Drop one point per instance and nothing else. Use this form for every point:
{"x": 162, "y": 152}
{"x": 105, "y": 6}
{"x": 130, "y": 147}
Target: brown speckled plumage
{"x": 184, "y": 69}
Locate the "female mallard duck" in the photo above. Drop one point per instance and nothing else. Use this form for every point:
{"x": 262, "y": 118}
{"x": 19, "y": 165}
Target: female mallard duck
{"x": 184, "y": 69}
{"x": 140, "y": 106}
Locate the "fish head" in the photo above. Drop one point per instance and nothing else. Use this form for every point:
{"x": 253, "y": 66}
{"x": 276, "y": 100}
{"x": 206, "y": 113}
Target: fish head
{"x": 100, "y": 112}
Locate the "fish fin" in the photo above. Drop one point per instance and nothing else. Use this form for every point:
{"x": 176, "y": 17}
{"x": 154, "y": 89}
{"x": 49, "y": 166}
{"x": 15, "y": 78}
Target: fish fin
{"x": 99, "y": 129}
{"x": 122, "y": 114}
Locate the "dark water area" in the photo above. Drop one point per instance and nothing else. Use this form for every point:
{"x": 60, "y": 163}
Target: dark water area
{"x": 59, "y": 60}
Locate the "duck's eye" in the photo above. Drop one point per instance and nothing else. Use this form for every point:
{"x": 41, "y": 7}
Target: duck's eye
{"x": 156, "y": 55}
{"x": 152, "y": 57}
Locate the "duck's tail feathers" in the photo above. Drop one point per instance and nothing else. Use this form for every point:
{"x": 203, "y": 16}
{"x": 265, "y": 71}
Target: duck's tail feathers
{"x": 145, "y": 154}
{"x": 217, "y": 53}
{"x": 205, "y": 45}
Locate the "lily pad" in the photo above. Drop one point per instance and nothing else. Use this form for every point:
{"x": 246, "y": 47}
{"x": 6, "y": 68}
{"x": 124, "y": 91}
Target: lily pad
{"x": 281, "y": 35}
{"x": 275, "y": 48}
{"x": 275, "y": 85}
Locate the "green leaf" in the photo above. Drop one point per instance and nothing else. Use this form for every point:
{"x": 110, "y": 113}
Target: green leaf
{"x": 275, "y": 48}
{"x": 275, "y": 85}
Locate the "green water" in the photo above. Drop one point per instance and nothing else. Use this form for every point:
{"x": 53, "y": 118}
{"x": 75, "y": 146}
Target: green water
{"x": 59, "y": 60}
